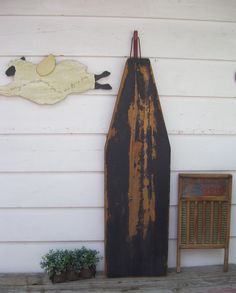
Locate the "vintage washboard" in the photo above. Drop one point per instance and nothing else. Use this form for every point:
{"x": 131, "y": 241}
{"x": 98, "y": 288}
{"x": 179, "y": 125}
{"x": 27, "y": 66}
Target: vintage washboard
{"x": 137, "y": 174}
{"x": 204, "y": 213}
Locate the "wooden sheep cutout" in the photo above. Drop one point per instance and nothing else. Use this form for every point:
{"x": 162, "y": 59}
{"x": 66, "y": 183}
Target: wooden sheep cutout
{"x": 48, "y": 82}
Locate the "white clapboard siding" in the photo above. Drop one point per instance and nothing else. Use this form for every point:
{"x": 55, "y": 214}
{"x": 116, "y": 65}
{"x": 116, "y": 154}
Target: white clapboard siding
{"x": 76, "y": 114}
{"x": 67, "y": 224}
{"x": 202, "y": 152}
{"x": 92, "y": 114}
{"x": 52, "y": 162}
{"x": 26, "y": 190}
{"x": 111, "y": 37}
{"x": 32, "y": 252}
{"x": 26, "y": 256}
{"x": 52, "y": 153}
{"x": 199, "y": 257}
{"x": 204, "y": 116}
{"x": 61, "y": 153}
{"x": 194, "y": 9}
{"x": 85, "y": 224}
{"x": 174, "y": 77}
{"x": 52, "y": 190}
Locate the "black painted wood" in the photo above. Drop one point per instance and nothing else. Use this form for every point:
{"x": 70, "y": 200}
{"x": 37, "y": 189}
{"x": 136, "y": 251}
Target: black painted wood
{"x": 137, "y": 175}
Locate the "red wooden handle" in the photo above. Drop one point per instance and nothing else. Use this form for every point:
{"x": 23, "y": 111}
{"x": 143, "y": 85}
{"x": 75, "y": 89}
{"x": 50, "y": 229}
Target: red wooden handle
{"x": 135, "y": 41}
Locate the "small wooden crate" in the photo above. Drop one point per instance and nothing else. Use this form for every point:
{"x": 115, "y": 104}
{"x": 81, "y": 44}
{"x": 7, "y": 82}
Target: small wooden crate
{"x": 204, "y": 213}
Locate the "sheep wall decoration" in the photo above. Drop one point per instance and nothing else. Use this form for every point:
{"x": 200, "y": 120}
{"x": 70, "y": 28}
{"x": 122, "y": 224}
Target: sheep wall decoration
{"x": 48, "y": 82}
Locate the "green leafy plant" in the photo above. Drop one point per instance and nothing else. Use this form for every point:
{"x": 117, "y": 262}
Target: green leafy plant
{"x": 86, "y": 258}
{"x": 56, "y": 262}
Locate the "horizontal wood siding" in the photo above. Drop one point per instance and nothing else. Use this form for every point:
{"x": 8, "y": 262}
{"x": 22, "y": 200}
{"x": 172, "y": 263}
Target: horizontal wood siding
{"x": 174, "y": 77}
{"x": 68, "y": 36}
{"x": 80, "y": 153}
{"x": 51, "y": 162}
{"x": 28, "y": 224}
{"x": 85, "y": 189}
{"x": 28, "y": 254}
{"x": 195, "y": 9}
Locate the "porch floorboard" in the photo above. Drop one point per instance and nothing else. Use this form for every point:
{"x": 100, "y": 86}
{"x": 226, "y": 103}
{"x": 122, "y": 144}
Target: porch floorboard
{"x": 207, "y": 279}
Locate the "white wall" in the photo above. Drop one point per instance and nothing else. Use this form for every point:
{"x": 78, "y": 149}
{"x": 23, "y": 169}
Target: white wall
{"x": 51, "y": 162}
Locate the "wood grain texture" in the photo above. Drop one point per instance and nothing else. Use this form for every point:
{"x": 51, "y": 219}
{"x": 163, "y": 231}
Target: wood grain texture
{"x": 137, "y": 173}
{"x": 185, "y": 9}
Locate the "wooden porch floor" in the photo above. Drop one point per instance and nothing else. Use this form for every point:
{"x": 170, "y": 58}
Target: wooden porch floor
{"x": 208, "y": 279}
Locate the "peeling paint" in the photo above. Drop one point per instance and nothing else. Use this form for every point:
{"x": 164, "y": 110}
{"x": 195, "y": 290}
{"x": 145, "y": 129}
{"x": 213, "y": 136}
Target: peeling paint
{"x": 137, "y": 171}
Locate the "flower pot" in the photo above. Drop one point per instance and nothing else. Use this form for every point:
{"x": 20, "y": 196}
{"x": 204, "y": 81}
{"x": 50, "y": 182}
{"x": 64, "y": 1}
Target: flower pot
{"x": 59, "y": 278}
{"x": 87, "y": 273}
{"x": 73, "y": 276}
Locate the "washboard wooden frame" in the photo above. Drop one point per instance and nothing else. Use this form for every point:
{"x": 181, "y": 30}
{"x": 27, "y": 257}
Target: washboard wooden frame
{"x": 204, "y": 205}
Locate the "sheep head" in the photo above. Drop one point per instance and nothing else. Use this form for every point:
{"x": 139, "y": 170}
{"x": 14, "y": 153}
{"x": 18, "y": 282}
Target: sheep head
{"x": 12, "y": 65}
{"x": 20, "y": 69}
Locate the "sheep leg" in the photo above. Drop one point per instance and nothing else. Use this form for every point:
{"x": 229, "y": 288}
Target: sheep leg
{"x": 102, "y": 86}
{"x": 104, "y": 74}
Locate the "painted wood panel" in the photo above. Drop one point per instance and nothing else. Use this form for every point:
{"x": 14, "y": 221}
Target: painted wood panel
{"x": 195, "y": 78}
{"x": 137, "y": 178}
{"x": 199, "y": 116}
{"x": 52, "y": 224}
{"x": 27, "y": 255}
{"x": 64, "y": 189}
{"x": 52, "y": 190}
{"x": 204, "y": 116}
{"x": 60, "y": 35}
{"x": 201, "y": 9}
{"x": 71, "y": 116}
{"x": 65, "y": 224}
{"x": 52, "y": 153}
{"x": 65, "y": 153}
{"x": 195, "y": 152}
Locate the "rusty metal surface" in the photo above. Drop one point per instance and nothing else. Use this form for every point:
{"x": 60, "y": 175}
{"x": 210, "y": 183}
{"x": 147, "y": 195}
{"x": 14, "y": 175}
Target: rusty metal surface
{"x": 137, "y": 173}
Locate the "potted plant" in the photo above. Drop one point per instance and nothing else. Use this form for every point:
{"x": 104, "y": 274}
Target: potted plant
{"x": 70, "y": 265}
{"x": 87, "y": 258}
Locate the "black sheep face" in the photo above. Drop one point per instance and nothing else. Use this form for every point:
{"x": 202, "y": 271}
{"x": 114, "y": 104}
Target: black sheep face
{"x": 12, "y": 69}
